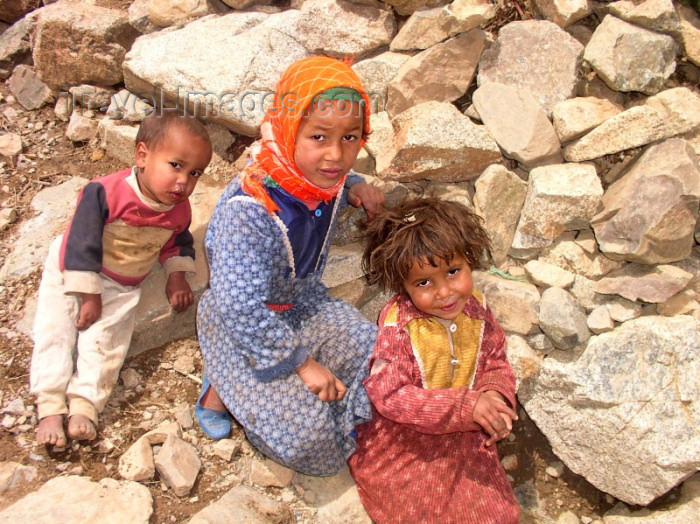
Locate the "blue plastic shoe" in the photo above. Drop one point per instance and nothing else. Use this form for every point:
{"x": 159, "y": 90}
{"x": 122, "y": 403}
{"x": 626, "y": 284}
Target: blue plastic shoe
{"x": 215, "y": 424}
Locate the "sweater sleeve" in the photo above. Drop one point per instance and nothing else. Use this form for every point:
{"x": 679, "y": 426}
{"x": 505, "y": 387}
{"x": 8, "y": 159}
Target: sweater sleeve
{"x": 395, "y": 397}
{"x": 241, "y": 274}
{"x": 82, "y": 244}
{"x": 178, "y": 252}
{"x": 495, "y": 372}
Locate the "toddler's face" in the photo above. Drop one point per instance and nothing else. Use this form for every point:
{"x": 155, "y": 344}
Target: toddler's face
{"x": 441, "y": 291}
{"x": 328, "y": 141}
{"x": 169, "y": 171}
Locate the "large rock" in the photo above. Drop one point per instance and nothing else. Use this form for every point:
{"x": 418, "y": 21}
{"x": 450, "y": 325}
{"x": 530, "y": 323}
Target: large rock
{"x": 81, "y": 43}
{"x": 575, "y": 117}
{"x": 498, "y": 198}
{"x": 76, "y": 500}
{"x": 683, "y": 511}
{"x": 164, "y": 13}
{"x": 15, "y": 47}
{"x": 178, "y": 465}
{"x": 645, "y": 438}
{"x": 551, "y": 70}
{"x": 442, "y": 73}
{"x": 28, "y": 88}
{"x": 568, "y": 254}
{"x": 230, "y": 86}
{"x": 656, "y": 15}
{"x": 670, "y": 113}
{"x": 561, "y": 197}
{"x": 653, "y": 284}
{"x": 518, "y": 124}
{"x": 427, "y": 27}
{"x": 562, "y": 319}
{"x": 563, "y": 12}
{"x": 376, "y": 73}
{"x": 435, "y": 141}
{"x": 406, "y": 7}
{"x": 650, "y": 213}
{"x": 630, "y": 58}
{"x": 339, "y": 28}
{"x": 690, "y": 33}
{"x": 244, "y": 504}
{"x": 335, "y": 498}
{"x": 515, "y": 304}
{"x": 13, "y": 10}
{"x": 117, "y": 139}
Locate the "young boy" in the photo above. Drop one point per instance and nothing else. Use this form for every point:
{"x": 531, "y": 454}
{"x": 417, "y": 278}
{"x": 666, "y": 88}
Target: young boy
{"x": 89, "y": 289}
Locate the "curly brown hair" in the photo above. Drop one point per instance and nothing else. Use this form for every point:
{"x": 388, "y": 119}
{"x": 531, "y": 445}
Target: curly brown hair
{"x": 420, "y": 229}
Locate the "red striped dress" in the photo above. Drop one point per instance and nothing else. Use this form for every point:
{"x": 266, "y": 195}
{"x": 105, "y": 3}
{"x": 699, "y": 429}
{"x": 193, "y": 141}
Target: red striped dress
{"x": 421, "y": 459}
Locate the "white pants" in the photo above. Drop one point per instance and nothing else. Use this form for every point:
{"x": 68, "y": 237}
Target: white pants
{"x": 63, "y": 382}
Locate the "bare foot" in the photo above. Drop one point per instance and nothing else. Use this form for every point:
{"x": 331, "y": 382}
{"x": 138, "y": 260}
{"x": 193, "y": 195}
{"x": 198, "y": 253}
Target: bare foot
{"x": 211, "y": 400}
{"x": 81, "y": 428}
{"x": 50, "y": 431}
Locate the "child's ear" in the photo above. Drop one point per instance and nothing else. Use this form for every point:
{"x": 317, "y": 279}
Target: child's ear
{"x": 141, "y": 154}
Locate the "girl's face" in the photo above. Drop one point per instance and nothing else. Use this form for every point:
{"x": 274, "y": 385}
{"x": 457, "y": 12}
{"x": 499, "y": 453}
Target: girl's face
{"x": 328, "y": 141}
{"x": 440, "y": 291}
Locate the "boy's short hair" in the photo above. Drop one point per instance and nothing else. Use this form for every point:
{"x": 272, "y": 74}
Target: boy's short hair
{"x": 424, "y": 229}
{"x": 156, "y": 126}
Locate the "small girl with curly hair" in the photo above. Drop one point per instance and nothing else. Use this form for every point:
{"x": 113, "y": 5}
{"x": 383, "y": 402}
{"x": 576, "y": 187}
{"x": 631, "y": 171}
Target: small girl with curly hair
{"x": 441, "y": 387}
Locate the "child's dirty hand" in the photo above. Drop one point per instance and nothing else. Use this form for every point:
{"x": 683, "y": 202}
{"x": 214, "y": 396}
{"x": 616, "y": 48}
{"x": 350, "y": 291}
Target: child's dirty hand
{"x": 90, "y": 310}
{"x": 179, "y": 292}
{"x": 368, "y": 196}
{"x": 494, "y": 415}
{"x": 321, "y": 381}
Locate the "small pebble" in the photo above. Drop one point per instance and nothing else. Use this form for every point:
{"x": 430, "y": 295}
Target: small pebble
{"x": 63, "y": 467}
{"x": 511, "y": 437}
{"x": 8, "y": 421}
{"x": 586, "y": 520}
{"x": 194, "y": 499}
{"x": 77, "y": 470}
{"x": 556, "y": 470}
{"x": 510, "y": 462}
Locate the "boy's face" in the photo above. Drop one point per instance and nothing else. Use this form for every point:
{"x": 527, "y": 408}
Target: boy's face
{"x": 169, "y": 171}
{"x": 328, "y": 141}
{"x": 440, "y": 291}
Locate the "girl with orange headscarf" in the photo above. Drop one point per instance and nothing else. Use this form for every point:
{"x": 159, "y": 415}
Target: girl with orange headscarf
{"x": 286, "y": 360}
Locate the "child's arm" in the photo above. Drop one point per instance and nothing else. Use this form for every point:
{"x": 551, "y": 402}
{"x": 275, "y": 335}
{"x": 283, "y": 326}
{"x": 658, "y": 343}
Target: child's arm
{"x": 321, "y": 381}
{"x": 494, "y": 416}
{"x": 368, "y": 196}
{"x": 394, "y": 395}
{"x": 179, "y": 292}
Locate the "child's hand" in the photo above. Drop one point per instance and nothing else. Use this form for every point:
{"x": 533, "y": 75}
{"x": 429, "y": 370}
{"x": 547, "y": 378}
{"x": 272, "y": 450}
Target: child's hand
{"x": 367, "y": 195}
{"x": 179, "y": 292}
{"x": 320, "y": 381}
{"x": 90, "y": 310}
{"x": 493, "y": 414}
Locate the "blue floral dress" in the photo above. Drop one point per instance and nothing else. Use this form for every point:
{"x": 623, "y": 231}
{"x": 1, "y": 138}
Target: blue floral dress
{"x": 250, "y": 352}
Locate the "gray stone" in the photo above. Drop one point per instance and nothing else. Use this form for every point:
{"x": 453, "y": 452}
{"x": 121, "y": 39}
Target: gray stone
{"x": 53, "y": 207}
{"x": 380, "y": 143}
{"x": 515, "y": 304}
{"x": 15, "y": 476}
{"x": 127, "y": 106}
{"x": 575, "y": 117}
{"x": 183, "y": 415}
{"x": 338, "y": 28}
{"x": 561, "y": 197}
{"x": 376, "y": 73}
{"x": 563, "y": 12}
{"x": 80, "y": 128}
{"x": 231, "y": 86}
{"x": 544, "y": 274}
{"x": 568, "y": 517}
{"x": 551, "y": 70}
{"x": 567, "y": 254}
{"x": 178, "y": 465}
{"x": 130, "y": 378}
{"x": 117, "y": 140}
{"x": 8, "y": 216}
{"x": 647, "y": 283}
{"x": 630, "y": 58}
{"x": 434, "y": 141}
{"x": 599, "y": 320}
{"x": 76, "y": 500}
{"x": 28, "y": 88}
{"x": 646, "y": 439}
{"x": 427, "y": 27}
{"x": 649, "y": 214}
{"x": 161, "y": 433}
{"x": 90, "y": 97}
{"x": 267, "y": 473}
{"x": 518, "y": 124}
{"x": 15, "y": 47}
{"x": 164, "y": 13}
{"x": 136, "y": 463}
{"x": 524, "y": 360}
{"x": 683, "y": 511}
{"x": 67, "y": 39}
{"x": 622, "y": 310}
{"x": 656, "y": 15}
{"x": 138, "y": 17}
{"x": 244, "y": 504}
{"x": 498, "y": 198}
{"x": 441, "y": 73}
{"x": 343, "y": 264}
{"x": 226, "y": 448}
{"x": 671, "y": 112}
{"x": 10, "y": 145}
{"x": 584, "y": 293}
{"x": 335, "y": 498}
{"x": 562, "y": 319}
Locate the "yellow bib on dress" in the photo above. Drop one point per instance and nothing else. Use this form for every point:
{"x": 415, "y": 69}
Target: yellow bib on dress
{"x": 431, "y": 347}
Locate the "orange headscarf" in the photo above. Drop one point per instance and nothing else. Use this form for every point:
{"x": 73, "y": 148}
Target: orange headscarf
{"x": 300, "y": 84}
